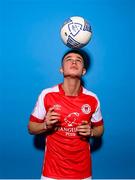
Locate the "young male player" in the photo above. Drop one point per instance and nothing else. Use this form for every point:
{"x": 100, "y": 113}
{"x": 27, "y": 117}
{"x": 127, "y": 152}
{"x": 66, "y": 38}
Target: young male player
{"x": 70, "y": 115}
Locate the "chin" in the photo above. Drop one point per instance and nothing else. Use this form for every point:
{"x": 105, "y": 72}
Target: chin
{"x": 72, "y": 76}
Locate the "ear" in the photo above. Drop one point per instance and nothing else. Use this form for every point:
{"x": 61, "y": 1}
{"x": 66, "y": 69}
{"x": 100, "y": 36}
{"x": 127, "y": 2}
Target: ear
{"x": 61, "y": 70}
{"x": 84, "y": 71}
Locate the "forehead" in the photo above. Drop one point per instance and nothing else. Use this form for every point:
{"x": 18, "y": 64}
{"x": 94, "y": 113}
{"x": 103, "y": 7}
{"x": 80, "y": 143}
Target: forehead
{"x": 73, "y": 55}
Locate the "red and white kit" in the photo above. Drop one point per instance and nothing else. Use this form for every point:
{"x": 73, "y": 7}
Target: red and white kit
{"x": 67, "y": 155}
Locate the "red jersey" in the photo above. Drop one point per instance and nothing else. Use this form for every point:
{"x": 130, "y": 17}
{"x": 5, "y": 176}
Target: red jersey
{"x": 67, "y": 155}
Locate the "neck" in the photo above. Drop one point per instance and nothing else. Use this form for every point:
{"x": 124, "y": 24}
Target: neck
{"x": 71, "y": 87}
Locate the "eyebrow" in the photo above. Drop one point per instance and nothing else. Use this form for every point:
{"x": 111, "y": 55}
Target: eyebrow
{"x": 71, "y": 56}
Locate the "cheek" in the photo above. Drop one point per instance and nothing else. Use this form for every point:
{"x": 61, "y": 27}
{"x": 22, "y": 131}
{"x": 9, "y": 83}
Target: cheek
{"x": 65, "y": 68}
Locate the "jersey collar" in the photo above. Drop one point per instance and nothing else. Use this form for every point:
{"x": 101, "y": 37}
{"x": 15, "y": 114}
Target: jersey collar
{"x": 63, "y": 92}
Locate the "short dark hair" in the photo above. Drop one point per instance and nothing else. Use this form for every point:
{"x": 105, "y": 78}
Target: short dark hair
{"x": 81, "y": 52}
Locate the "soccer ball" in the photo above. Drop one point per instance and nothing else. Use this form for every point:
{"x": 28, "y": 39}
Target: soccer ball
{"x": 76, "y": 32}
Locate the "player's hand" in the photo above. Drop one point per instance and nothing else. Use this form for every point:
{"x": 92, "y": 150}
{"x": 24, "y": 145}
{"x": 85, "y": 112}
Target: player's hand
{"x": 52, "y": 119}
{"x": 84, "y": 129}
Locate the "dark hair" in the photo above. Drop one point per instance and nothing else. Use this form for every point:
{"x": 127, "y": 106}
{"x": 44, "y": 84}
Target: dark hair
{"x": 82, "y": 53}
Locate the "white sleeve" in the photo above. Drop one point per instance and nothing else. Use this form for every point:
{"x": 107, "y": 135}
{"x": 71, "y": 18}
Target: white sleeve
{"x": 97, "y": 116}
{"x": 39, "y": 110}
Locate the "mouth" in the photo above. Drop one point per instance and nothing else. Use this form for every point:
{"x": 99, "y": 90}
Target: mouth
{"x": 74, "y": 67}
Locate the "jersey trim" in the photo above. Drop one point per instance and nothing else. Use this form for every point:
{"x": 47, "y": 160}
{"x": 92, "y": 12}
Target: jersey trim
{"x": 99, "y": 123}
{"x": 35, "y": 119}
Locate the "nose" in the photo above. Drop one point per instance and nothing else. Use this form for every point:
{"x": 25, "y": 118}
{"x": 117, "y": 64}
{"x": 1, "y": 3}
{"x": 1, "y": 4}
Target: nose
{"x": 73, "y": 61}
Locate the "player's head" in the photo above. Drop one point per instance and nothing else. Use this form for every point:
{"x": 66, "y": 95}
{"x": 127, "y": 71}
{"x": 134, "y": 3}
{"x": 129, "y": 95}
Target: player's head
{"x": 74, "y": 63}
{"x": 81, "y": 53}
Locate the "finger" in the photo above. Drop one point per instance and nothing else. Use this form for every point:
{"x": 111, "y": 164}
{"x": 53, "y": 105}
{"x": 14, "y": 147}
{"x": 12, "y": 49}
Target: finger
{"x": 50, "y": 109}
{"x": 54, "y": 114}
{"x": 51, "y": 123}
{"x": 83, "y": 130}
{"x": 53, "y": 117}
{"x": 83, "y": 127}
{"x": 83, "y": 133}
{"x": 84, "y": 122}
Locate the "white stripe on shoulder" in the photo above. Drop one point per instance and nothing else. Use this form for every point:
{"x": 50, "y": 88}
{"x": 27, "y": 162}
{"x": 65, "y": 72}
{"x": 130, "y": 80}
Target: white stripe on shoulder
{"x": 49, "y": 90}
{"x": 87, "y": 92}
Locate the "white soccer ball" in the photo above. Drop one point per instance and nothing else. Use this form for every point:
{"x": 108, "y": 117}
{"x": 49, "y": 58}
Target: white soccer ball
{"x": 76, "y": 32}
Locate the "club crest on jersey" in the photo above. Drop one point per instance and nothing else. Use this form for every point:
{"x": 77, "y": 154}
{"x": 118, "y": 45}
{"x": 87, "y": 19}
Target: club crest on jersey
{"x": 86, "y": 109}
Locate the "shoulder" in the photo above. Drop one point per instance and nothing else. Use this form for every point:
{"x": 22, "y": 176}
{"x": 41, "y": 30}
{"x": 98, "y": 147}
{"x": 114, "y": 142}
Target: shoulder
{"x": 90, "y": 93}
{"x": 49, "y": 90}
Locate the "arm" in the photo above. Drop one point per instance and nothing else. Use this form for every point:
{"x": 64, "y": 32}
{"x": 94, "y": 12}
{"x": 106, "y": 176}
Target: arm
{"x": 51, "y": 120}
{"x": 97, "y": 131}
{"x": 36, "y": 128}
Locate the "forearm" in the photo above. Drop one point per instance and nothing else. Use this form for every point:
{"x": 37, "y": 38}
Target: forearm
{"x": 97, "y": 131}
{"x": 36, "y": 128}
